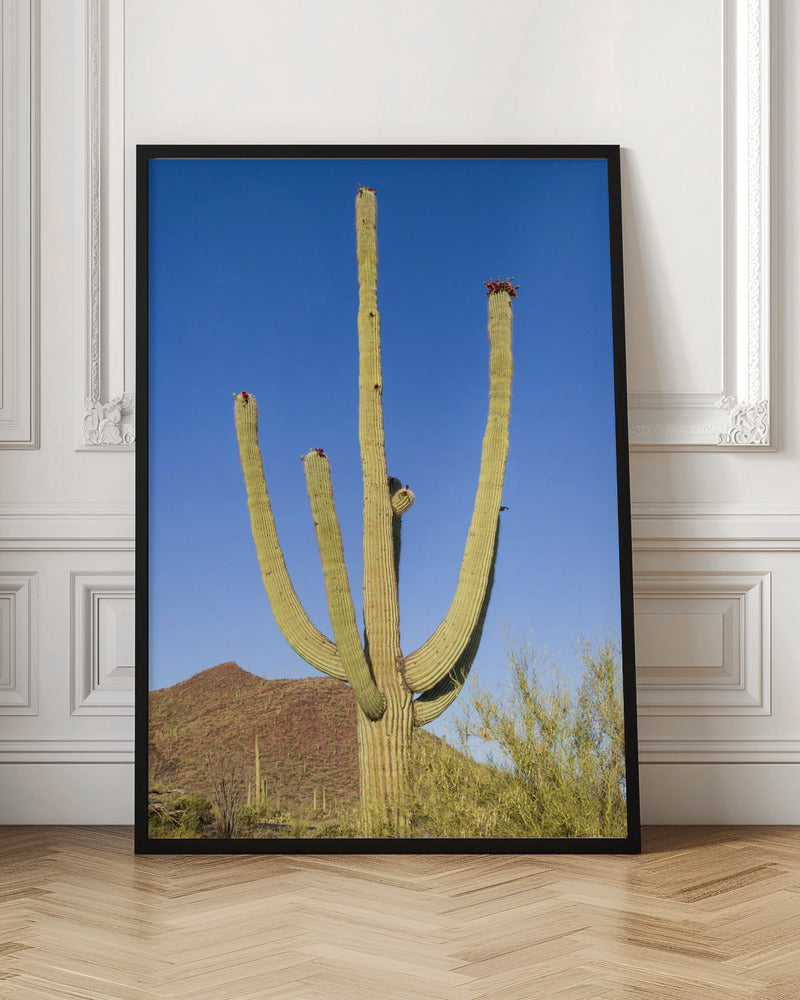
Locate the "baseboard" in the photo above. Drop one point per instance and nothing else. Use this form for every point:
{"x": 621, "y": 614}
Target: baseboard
{"x": 66, "y": 794}
{"x": 720, "y": 794}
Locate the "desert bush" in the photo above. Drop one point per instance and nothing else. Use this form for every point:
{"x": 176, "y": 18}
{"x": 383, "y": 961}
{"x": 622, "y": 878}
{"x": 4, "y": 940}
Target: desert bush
{"x": 224, "y": 779}
{"x": 344, "y": 825}
{"x": 554, "y": 755}
{"x": 177, "y": 815}
{"x": 250, "y": 816}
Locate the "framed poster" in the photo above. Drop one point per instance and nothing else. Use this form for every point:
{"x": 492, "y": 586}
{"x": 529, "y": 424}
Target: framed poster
{"x": 347, "y": 351}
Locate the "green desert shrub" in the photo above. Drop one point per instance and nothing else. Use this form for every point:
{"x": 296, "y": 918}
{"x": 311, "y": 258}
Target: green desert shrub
{"x": 554, "y": 755}
{"x": 177, "y": 815}
{"x": 250, "y": 816}
{"x": 345, "y": 824}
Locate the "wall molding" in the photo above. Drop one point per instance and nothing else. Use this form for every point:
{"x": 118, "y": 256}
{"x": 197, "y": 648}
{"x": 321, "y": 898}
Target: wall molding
{"x": 696, "y": 534}
{"x": 102, "y": 603}
{"x": 709, "y": 527}
{"x": 719, "y": 752}
{"x": 740, "y": 415}
{"x": 19, "y": 662}
{"x": 72, "y": 526}
{"x": 108, "y": 419}
{"x": 19, "y": 209}
{"x": 714, "y": 658}
{"x": 66, "y": 751}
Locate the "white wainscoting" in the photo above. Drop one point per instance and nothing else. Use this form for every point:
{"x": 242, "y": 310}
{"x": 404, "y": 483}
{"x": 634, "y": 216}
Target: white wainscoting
{"x": 717, "y": 588}
{"x": 72, "y": 761}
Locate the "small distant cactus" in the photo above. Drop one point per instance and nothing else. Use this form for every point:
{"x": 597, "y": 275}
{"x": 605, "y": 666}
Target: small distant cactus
{"x": 385, "y": 681}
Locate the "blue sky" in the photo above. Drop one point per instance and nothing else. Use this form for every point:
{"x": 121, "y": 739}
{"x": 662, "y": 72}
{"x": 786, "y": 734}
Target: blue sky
{"x": 253, "y": 286}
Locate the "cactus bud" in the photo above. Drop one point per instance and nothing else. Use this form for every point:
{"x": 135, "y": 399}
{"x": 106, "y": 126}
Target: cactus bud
{"x": 402, "y": 500}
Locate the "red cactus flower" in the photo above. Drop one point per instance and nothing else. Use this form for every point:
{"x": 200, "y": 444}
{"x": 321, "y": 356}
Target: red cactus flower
{"x": 320, "y": 451}
{"x": 502, "y": 285}
{"x": 245, "y": 395}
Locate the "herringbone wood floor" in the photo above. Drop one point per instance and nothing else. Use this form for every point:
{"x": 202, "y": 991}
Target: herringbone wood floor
{"x": 711, "y": 913}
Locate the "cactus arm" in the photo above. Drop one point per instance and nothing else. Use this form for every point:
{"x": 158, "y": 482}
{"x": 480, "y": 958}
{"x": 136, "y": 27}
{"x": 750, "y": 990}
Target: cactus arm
{"x": 337, "y": 585}
{"x": 304, "y": 638}
{"x": 381, "y": 605}
{"x": 433, "y": 661}
{"x": 430, "y": 705}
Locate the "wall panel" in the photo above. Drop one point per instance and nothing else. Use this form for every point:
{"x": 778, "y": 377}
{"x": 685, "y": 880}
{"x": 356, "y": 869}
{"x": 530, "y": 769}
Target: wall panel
{"x": 19, "y": 634}
{"x": 19, "y": 151}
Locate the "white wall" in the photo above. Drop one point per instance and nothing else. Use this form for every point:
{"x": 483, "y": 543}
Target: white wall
{"x": 66, "y": 515}
{"x": 711, "y": 233}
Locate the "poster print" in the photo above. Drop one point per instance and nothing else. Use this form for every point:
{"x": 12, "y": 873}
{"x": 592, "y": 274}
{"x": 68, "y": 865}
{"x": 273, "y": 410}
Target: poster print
{"x": 383, "y": 524}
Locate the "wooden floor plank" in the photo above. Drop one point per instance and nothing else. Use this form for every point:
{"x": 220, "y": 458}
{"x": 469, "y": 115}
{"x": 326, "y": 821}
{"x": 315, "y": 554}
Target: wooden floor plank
{"x": 709, "y": 912}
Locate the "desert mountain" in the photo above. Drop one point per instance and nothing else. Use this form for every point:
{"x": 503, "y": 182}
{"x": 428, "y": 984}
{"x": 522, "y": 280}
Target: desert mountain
{"x": 306, "y": 732}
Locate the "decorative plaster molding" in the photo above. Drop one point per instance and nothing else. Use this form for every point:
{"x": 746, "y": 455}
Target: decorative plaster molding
{"x": 103, "y": 423}
{"x": 739, "y": 416}
{"x": 658, "y": 436}
{"x": 748, "y": 424}
{"x": 111, "y": 425}
{"x": 19, "y": 210}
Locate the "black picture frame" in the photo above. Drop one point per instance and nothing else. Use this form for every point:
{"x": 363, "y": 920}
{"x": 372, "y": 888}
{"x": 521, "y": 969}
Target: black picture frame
{"x": 450, "y": 156}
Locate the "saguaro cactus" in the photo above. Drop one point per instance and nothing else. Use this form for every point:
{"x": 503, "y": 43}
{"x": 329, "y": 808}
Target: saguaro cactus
{"x": 385, "y": 681}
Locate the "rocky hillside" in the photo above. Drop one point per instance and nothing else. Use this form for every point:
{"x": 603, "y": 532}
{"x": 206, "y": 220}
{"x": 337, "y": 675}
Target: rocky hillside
{"x": 208, "y": 724}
